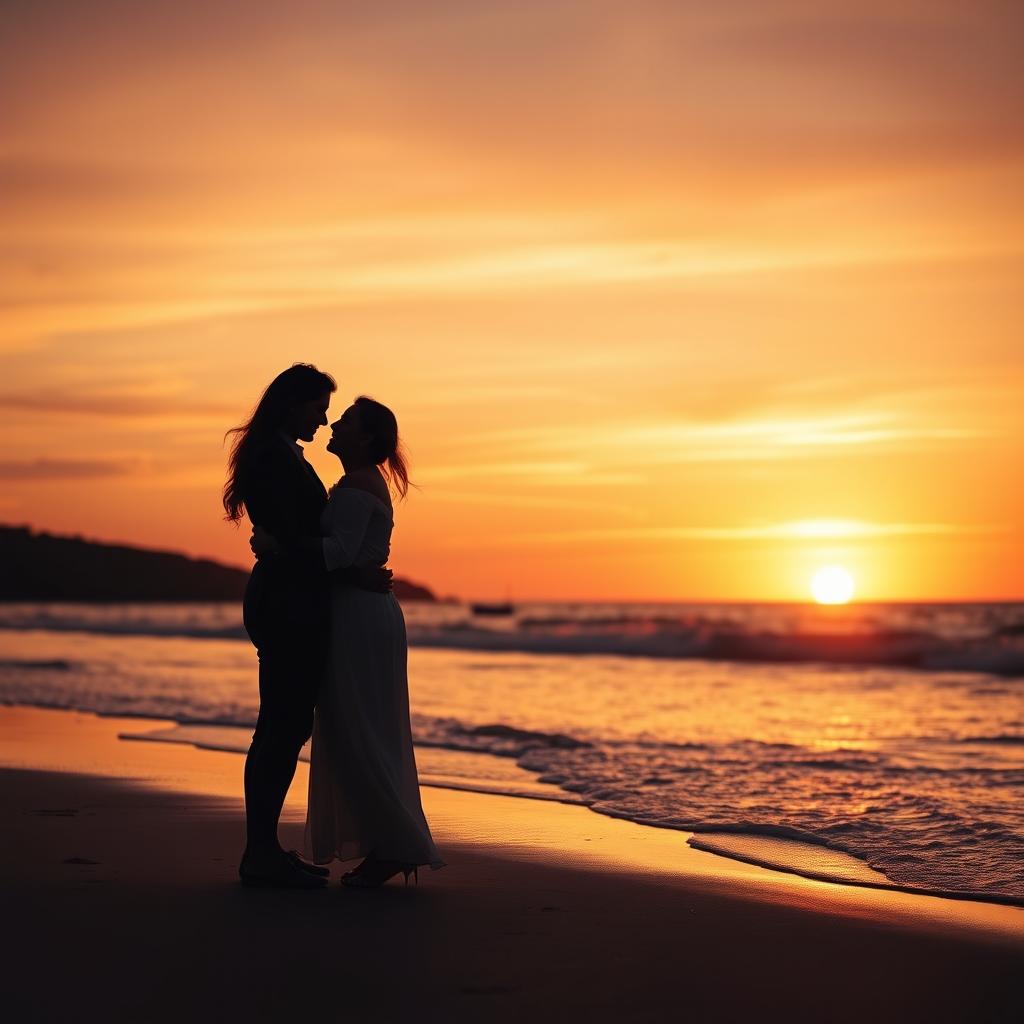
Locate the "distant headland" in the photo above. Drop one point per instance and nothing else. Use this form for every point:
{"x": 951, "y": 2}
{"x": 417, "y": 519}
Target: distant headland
{"x": 46, "y": 567}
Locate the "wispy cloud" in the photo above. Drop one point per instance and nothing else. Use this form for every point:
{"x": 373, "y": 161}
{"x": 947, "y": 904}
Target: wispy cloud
{"x": 65, "y": 469}
{"x": 662, "y": 146}
{"x": 795, "y": 531}
{"x": 115, "y": 405}
{"x": 517, "y": 500}
{"x": 785, "y": 437}
{"x": 627, "y": 447}
{"x": 552, "y": 472}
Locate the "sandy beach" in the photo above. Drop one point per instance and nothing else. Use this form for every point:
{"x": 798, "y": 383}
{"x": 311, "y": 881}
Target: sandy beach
{"x": 121, "y": 903}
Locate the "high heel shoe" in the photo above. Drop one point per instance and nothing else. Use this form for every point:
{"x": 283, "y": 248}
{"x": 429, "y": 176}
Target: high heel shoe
{"x": 373, "y": 874}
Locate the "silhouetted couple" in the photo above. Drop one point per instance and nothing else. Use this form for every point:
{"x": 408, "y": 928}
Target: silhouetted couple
{"x": 330, "y": 637}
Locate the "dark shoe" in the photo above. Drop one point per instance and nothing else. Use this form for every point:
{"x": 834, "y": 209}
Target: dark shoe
{"x": 313, "y": 869}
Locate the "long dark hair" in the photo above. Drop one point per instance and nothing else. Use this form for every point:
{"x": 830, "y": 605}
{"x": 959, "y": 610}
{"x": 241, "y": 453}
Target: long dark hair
{"x": 300, "y": 383}
{"x": 386, "y": 448}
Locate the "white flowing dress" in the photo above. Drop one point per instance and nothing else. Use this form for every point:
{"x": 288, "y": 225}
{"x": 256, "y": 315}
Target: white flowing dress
{"x": 364, "y": 794}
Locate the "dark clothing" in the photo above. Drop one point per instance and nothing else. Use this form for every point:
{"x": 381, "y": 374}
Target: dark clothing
{"x": 287, "y": 599}
{"x": 292, "y": 662}
{"x": 285, "y": 611}
{"x": 286, "y": 498}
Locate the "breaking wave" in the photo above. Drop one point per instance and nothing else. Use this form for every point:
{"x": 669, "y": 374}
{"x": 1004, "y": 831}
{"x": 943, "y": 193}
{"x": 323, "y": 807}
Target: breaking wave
{"x": 960, "y": 638}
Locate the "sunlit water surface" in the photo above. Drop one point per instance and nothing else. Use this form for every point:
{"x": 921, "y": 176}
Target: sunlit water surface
{"x": 918, "y": 771}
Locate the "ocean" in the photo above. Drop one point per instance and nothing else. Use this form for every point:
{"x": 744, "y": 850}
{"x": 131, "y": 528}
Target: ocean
{"x": 889, "y": 737}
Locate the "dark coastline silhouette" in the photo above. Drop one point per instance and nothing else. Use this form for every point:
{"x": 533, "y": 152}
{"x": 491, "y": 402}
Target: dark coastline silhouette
{"x": 39, "y": 566}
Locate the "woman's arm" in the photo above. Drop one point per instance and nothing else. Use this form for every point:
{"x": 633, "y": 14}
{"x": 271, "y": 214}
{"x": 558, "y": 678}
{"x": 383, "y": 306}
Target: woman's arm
{"x": 367, "y": 577}
{"x": 347, "y": 521}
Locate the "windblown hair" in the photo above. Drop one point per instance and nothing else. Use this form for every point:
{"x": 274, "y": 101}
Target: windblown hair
{"x": 301, "y": 382}
{"x": 386, "y": 448}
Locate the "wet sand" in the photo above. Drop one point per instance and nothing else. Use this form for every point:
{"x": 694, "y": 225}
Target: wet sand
{"x": 120, "y": 902}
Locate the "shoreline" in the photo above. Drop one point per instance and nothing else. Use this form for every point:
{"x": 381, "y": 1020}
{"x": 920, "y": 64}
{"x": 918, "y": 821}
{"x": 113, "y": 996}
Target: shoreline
{"x": 710, "y": 843}
{"x": 799, "y": 857}
{"x": 119, "y": 880}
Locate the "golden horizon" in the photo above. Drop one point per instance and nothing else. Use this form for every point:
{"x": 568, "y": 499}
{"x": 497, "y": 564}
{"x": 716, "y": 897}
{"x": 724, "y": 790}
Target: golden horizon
{"x": 662, "y": 312}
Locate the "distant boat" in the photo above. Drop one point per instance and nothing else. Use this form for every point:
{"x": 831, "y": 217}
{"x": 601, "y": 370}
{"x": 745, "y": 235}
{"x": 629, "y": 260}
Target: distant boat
{"x": 498, "y": 608}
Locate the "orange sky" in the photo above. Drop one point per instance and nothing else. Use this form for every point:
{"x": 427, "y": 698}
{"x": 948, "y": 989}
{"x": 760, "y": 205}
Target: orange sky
{"x": 671, "y": 301}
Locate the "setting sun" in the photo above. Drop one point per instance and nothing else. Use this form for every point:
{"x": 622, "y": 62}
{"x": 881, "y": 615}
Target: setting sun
{"x": 832, "y": 585}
